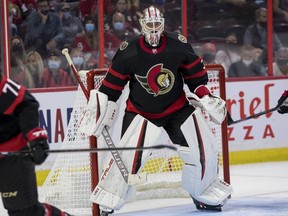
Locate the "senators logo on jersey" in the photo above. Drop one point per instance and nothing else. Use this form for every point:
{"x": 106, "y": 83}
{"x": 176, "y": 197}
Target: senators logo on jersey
{"x": 158, "y": 80}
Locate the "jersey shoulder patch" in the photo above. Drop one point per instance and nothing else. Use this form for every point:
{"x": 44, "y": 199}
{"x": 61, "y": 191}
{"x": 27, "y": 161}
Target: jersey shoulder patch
{"x": 182, "y": 38}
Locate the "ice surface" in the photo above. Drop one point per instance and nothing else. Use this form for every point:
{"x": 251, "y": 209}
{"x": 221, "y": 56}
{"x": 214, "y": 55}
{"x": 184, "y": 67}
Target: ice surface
{"x": 259, "y": 190}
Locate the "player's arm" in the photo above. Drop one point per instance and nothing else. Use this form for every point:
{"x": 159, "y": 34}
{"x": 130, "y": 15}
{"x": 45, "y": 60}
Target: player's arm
{"x": 17, "y": 101}
{"x": 36, "y": 137}
{"x": 284, "y": 101}
{"x": 196, "y": 78}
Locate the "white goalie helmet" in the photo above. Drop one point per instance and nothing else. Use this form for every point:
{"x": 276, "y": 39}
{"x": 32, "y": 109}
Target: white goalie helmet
{"x": 152, "y": 25}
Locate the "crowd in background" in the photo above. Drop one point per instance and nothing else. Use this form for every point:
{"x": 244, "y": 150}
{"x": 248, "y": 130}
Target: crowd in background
{"x": 228, "y": 32}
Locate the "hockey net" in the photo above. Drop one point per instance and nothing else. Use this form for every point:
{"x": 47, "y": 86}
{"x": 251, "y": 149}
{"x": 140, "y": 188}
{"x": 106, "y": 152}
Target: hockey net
{"x": 74, "y": 175}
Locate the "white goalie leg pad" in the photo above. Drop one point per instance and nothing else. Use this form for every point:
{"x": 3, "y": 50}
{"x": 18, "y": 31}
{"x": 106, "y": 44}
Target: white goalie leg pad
{"x": 112, "y": 190}
{"x": 200, "y": 171}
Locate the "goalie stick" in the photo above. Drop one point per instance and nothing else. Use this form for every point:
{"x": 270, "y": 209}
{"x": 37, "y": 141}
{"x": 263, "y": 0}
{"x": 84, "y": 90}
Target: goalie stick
{"x": 92, "y": 150}
{"x": 142, "y": 177}
{"x": 230, "y": 121}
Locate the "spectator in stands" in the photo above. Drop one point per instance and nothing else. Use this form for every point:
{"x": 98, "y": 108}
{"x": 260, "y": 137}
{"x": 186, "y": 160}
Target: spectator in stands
{"x": 17, "y": 47}
{"x": 78, "y": 59}
{"x": 280, "y": 64}
{"x": 35, "y": 66}
{"x": 120, "y": 31}
{"x": 13, "y": 18}
{"x": 54, "y": 75}
{"x": 280, "y": 8}
{"x": 71, "y": 26}
{"x": 208, "y": 51}
{"x": 256, "y": 35}
{"x": 27, "y": 7}
{"x": 43, "y": 29}
{"x": 19, "y": 72}
{"x": 246, "y": 67}
{"x": 131, "y": 14}
{"x": 230, "y": 52}
{"x": 88, "y": 40}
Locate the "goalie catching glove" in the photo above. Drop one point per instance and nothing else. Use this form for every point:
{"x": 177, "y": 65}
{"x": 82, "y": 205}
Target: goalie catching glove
{"x": 99, "y": 113}
{"x": 284, "y": 103}
{"x": 212, "y": 104}
{"x": 37, "y": 143}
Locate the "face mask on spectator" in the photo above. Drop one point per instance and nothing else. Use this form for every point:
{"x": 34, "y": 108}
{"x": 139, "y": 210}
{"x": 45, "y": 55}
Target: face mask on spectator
{"x": 89, "y": 27}
{"x": 54, "y": 64}
{"x": 208, "y": 57}
{"x": 247, "y": 62}
{"x": 45, "y": 12}
{"x": 66, "y": 15}
{"x": 17, "y": 48}
{"x": 78, "y": 60}
{"x": 118, "y": 26}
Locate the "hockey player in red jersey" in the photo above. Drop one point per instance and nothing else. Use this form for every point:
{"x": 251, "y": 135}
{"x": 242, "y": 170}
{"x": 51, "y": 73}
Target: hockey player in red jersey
{"x": 283, "y": 99}
{"x": 19, "y": 130}
{"x": 157, "y": 64}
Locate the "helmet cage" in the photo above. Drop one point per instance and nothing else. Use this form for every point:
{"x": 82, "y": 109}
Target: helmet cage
{"x": 152, "y": 26}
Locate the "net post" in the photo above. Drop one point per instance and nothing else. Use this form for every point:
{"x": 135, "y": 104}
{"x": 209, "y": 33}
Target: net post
{"x": 224, "y": 126}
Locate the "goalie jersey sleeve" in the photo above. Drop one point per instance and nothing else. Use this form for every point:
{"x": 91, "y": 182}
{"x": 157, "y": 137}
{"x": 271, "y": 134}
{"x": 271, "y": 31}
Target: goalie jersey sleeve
{"x": 156, "y": 75}
{"x": 18, "y": 115}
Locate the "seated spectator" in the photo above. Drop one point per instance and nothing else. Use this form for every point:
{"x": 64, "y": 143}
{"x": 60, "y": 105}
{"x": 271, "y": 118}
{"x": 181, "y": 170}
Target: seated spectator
{"x": 71, "y": 26}
{"x": 88, "y": 40}
{"x": 256, "y": 35}
{"x": 280, "y": 64}
{"x": 19, "y": 72}
{"x": 43, "y": 29}
{"x": 119, "y": 32}
{"x": 85, "y": 7}
{"x": 13, "y": 18}
{"x": 207, "y": 52}
{"x": 27, "y": 7}
{"x": 246, "y": 67}
{"x": 230, "y": 52}
{"x": 280, "y": 9}
{"x": 78, "y": 59}
{"x": 17, "y": 47}
{"x": 131, "y": 14}
{"x": 54, "y": 75}
{"x": 35, "y": 66}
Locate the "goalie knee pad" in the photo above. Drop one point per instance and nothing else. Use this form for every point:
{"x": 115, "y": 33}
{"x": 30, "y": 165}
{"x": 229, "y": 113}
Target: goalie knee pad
{"x": 200, "y": 171}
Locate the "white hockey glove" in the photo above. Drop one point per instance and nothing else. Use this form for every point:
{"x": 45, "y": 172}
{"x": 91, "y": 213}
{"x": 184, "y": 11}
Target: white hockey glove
{"x": 98, "y": 113}
{"x": 284, "y": 101}
{"x": 212, "y": 104}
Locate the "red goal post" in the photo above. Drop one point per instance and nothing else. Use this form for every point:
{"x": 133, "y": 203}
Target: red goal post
{"x": 74, "y": 176}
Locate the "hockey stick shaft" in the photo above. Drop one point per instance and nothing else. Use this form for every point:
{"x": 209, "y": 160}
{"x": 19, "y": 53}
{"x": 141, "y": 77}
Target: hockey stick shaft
{"x": 65, "y": 52}
{"x": 280, "y": 102}
{"x": 93, "y": 150}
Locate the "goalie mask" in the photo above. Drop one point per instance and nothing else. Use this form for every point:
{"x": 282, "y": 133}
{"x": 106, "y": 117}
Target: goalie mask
{"x": 152, "y": 25}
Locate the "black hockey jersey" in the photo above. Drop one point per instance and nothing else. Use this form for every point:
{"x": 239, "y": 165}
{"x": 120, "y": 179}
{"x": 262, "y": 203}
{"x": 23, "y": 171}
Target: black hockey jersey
{"x": 18, "y": 115}
{"x": 156, "y": 75}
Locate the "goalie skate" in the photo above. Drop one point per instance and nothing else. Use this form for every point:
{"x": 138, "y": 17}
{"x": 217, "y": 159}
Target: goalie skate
{"x": 204, "y": 207}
